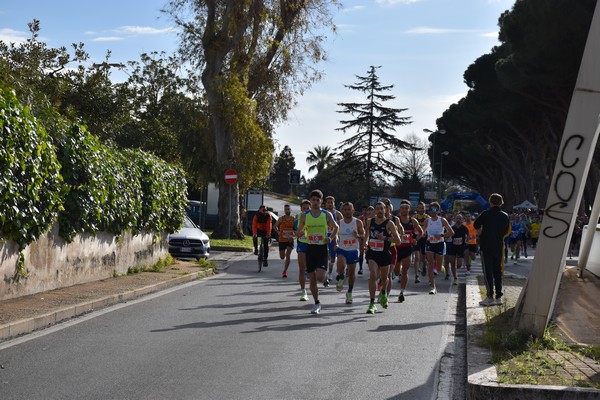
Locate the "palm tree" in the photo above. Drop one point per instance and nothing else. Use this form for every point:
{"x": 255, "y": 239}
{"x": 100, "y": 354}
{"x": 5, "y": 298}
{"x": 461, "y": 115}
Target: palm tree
{"x": 320, "y": 158}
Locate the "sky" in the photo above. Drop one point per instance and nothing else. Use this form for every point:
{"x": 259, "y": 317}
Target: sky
{"x": 422, "y": 46}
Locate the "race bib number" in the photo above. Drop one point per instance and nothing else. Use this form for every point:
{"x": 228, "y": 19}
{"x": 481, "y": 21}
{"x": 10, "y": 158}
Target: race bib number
{"x": 435, "y": 238}
{"x": 376, "y": 244}
{"x": 458, "y": 241}
{"x": 349, "y": 244}
{"x": 406, "y": 238}
{"x": 315, "y": 239}
{"x": 286, "y": 234}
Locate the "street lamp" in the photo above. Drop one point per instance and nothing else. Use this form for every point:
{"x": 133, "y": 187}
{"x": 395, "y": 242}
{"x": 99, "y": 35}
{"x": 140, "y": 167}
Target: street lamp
{"x": 441, "y": 132}
{"x": 442, "y": 154}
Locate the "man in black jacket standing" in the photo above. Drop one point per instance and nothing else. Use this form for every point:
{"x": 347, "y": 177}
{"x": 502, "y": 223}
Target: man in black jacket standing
{"x": 494, "y": 225}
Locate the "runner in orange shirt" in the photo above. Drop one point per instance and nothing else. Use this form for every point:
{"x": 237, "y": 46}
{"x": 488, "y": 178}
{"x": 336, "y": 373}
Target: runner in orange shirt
{"x": 285, "y": 229}
{"x": 472, "y": 249}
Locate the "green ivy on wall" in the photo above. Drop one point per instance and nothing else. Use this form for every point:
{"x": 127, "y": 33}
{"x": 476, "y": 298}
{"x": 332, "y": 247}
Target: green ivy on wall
{"x": 83, "y": 184}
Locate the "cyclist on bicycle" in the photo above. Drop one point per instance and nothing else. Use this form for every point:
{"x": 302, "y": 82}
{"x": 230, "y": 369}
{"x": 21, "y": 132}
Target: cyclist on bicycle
{"x": 261, "y": 227}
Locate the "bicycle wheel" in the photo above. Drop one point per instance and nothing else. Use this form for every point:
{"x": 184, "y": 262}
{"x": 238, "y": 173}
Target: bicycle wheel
{"x": 260, "y": 256}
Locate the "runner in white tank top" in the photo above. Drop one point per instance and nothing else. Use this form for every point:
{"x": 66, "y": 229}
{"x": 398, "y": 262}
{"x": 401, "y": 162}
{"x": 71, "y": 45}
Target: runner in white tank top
{"x": 347, "y": 249}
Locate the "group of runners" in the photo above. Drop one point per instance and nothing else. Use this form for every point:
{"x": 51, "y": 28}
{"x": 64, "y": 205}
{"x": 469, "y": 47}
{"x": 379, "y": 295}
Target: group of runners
{"x": 332, "y": 242}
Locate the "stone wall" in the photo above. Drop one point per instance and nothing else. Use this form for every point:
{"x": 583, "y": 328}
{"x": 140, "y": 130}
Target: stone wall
{"x": 52, "y": 263}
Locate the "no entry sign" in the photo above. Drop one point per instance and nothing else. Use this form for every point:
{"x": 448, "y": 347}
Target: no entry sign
{"x": 231, "y": 176}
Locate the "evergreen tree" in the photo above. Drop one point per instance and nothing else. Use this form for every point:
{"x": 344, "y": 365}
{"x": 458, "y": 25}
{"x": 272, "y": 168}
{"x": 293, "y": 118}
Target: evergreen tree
{"x": 280, "y": 176}
{"x": 374, "y": 125}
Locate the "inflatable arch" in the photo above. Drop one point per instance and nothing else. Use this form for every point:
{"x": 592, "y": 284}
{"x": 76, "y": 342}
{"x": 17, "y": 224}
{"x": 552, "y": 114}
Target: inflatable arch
{"x": 448, "y": 202}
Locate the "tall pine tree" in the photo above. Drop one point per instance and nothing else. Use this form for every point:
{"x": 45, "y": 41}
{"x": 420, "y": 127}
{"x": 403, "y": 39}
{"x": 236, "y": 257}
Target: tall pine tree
{"x": 375, "y": 126}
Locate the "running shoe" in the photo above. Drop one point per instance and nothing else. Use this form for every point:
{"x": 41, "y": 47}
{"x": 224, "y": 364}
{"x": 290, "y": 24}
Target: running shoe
{"x": 447, "y": 277}
{"x": 326, "y": 283}
{"x": 265, "y": 263}
{"x": 399, "y": 278}
{"x": 433, "y": 291}
{"x": 487, "y": 302}
{"x": 383, "y": 300}
{"x": 304, "y": 296}
{"x": 468, "y": 272}
{"x": 372, "y": 308}
{"x": 435, "y": 271}
{"x": 424, "y": 271}
{"x": 284, "y": 275}
{"x": 401, "y": 298}
{"x": 255, "y": 252}
{"x": 339, "y": 285}
{"x": 417, "y": 280}
{"x": 499, "y": 301}
{"x": 454, "y": 280}
{"x": 349, "y": 298}
{"x": 316, "y": 309}
{"x": 360, "y": 271}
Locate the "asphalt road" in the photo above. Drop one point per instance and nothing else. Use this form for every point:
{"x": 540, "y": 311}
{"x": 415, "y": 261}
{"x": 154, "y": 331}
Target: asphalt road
{"x": 240, "y": 335}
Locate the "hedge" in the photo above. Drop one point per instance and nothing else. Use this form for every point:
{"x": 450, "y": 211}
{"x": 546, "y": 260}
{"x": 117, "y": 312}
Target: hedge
{"x": 83, "y": 184}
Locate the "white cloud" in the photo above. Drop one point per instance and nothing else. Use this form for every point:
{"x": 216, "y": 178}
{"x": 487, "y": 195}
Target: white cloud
{"x": 143, "y": 30}
{"x": 491, "y": 35}
{"x": 353, "y": 9}
{"x": 107, "y": 39}
{"x": 394, "y": 2}
{"x": 8, "y": 35}
{"x": 424, "y": 30}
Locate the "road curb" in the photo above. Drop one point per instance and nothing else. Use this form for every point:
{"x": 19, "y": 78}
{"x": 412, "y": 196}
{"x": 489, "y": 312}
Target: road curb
{"x": 32, "y": 324}
{"x": 482, "y": 381}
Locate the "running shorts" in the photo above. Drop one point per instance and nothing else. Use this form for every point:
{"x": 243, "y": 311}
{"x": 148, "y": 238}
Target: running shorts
{"x": 381, "y": 258}
{"x": 404, "y": 252}
{"x": 285, "y": 245}
{"x": 301, "y": 247}
{"x": 437, "y": 248}
{"x": 316, "y": 257}
{"x": 351, "y": 256}
{"x": 456, "y": 250}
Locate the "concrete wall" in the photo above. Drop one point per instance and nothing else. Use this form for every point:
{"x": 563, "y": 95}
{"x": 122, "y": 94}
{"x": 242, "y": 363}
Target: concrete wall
{"x": 52, "y": 263}
{"x": 593, "y": 261}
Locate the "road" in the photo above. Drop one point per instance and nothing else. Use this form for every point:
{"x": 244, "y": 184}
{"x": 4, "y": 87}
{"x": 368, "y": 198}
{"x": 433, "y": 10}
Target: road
{"x": 240, "y": 335}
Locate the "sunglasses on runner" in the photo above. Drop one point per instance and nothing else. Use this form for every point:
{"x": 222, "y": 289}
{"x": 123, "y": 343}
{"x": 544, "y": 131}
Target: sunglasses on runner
{"x": 434, "y": 209}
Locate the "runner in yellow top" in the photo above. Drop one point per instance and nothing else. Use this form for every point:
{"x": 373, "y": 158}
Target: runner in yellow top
{"x": 535, "y": 231}
{"x": 301, "y": 244}
{"x": 472, "y": 249}
{"x": 314, "y": 225}
{"x": 285, "y": 229}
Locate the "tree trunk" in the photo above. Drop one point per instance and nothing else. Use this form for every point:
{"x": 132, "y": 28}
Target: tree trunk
{"x": 229, "y": 215}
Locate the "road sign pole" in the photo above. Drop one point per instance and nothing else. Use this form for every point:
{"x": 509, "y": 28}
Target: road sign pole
{"x": 229, "y": 224}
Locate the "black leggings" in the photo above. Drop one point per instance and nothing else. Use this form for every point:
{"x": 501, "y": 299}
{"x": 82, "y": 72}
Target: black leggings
{"x": 492, "y": 271}
{"x": 265, "y": 243}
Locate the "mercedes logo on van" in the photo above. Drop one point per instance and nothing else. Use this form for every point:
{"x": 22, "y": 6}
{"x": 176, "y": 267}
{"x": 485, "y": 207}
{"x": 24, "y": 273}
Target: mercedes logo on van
{"x": 186, "y": 242}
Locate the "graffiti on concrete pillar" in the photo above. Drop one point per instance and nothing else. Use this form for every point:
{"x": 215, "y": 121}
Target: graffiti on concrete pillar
{"x": 564, "y": 187}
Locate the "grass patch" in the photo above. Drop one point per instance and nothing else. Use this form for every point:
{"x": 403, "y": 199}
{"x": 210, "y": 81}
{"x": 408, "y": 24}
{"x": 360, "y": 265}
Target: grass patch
{"x": 207, "y": 265}
{"x": 160, "y": 266}
{"x": 244, "y": 244}
{"x": 521, "y": 358}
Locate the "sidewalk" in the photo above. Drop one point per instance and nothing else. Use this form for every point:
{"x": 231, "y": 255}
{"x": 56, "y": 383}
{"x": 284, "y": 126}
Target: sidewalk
{"x": 29, "y": 313}
{"x": 577, "y": 320}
